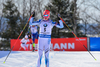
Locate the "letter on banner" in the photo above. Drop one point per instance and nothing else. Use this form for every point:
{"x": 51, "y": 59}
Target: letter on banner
{"x": 56, "y": 46}
{"x": 63, "y": 46}
{"x": 71, "y": 45}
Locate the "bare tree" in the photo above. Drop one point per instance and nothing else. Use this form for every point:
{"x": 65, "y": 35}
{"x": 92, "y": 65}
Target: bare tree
{"x": 39, "y": 2}
{"x": 2, "y": 23}
{"x": 74, "y": 15}
{"x": 90, "y": 14}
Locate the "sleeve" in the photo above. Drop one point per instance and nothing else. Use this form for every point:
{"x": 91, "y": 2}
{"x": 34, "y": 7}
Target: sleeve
{"x": 37, "y": 27}
{"x": 22, "y": 40}
{"x": 60, "y": 25}
{"x": 28, "y": 40}
{"x": 32, "y": 22}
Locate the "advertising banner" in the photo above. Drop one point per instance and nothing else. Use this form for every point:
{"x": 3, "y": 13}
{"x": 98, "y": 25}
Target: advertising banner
{"x": 57, "y": 44}
{"x": 68, "y": 44}
{"x": 94, "y": 43}
{"x": 17, "y": 45}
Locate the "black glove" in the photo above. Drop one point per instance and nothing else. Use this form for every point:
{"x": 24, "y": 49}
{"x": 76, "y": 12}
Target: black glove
{"x": 58, "y": 16}
{"x": 28, "y": 33}
{"x": 33, "y": 14}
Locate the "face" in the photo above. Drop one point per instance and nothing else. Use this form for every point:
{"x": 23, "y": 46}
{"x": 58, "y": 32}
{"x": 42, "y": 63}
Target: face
{"x": 46, "y": 17}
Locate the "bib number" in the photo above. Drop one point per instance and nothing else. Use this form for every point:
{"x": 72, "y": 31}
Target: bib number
{"x": 44, "y": 29}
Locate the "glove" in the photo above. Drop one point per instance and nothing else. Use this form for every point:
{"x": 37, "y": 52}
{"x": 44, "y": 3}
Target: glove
{"x": 58, "y": 16}
{"x": 29, "y": 35}
{"x": 33, "y": 14}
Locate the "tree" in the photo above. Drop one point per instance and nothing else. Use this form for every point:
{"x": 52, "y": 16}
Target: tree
{"x": 67, "y": 10}
{"x": 12, "y": 16}
{"x": 58, "y": 6}
{"x": 75, "y": 19}
{"x": 90, "y": 14}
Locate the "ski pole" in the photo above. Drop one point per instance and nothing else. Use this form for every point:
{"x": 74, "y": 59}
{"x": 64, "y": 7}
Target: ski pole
{"x": 18, "y": 38}
{"x": 76, "y": 37}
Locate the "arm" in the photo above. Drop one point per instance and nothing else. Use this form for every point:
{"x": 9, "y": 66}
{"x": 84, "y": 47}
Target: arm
{"x": 32, "y": 22}
{"x": 60, "y": 24}
{"x": 22, "y": 40}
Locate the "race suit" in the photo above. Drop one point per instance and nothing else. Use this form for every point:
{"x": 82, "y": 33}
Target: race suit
{"x": 45, "y": 37}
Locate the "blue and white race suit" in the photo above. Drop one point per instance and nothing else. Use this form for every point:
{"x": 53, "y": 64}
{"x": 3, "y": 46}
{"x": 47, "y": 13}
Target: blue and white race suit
{"x": 34, "y": 32}
{"x": 45, "y": 37}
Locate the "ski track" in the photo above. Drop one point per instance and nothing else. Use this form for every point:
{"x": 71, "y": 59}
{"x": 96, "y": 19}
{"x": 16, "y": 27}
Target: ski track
{"x": 57, "y": 59}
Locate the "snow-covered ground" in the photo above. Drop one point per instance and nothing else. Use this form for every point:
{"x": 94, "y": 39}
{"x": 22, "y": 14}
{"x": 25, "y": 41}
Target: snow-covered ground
{"x": 57, "y": 59}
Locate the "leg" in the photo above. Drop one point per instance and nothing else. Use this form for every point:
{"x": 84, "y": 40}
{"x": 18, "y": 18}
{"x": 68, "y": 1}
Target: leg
{"x": 33, "y": 39}
{"x": 22, "y": 45}
{"x": 40, "y": 52}
{"x": 26, "y": 46}
{"x": 33, "y": 47}
{"x": 47, "y": 57}
{"x": 37, "y": 35}
{"x": 47, "y": 49}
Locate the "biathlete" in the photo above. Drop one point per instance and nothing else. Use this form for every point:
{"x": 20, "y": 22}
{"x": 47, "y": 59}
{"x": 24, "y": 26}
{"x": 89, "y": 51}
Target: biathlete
{"x": 46, "y": 25}
{"x": 34, "y": 34}
{"x": 23, "y": 43}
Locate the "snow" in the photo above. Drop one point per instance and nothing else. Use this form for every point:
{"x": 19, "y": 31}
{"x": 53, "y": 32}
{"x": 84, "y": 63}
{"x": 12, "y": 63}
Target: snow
{"x": 57, "y": 59}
